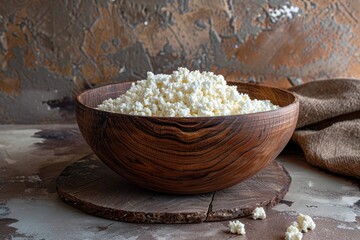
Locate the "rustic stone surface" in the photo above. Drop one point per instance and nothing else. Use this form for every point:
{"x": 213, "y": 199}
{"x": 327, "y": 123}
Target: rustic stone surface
{"x": 32, "y": 157}
{"x": 89, "y": 185}
{"x": 50, "y": 50}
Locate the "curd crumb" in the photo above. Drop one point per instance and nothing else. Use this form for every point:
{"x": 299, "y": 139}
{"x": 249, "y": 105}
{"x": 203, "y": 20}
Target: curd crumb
{"x": 259, "y": 213}
{"x": 237, "y": 227}
{"x": 293, "y": 233}
{"x": 305, "y": 222}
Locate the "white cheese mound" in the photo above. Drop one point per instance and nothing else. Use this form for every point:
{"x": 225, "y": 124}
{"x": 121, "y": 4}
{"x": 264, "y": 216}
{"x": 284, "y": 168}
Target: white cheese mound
{"x": 237, "y": 227}
{"x": 305, "y": 222}
{"x": 259, "y": 213}
{"x": 184, "y": 93}
{"x": 293, "y": 233}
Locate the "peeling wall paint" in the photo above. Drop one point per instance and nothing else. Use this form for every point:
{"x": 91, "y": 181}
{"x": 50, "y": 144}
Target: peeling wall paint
{"x": 51, "y": 50}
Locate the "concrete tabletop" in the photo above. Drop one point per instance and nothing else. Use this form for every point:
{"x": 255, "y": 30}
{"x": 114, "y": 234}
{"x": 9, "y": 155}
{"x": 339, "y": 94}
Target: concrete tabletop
{"x": 32, "y": 156}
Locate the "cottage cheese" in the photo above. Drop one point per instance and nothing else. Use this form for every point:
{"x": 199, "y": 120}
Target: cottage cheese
{"x": 305, "y": 222}
{"x": 237, "y": 227}
{"x": 293, "y": 233}
{"x": 259, "y": 213}
{"x": 184, "y": 93}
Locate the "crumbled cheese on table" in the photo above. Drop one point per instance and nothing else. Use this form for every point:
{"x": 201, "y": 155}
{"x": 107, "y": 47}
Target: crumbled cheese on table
{"x": 184, "y": 93}
{"x": 259, "y": 213}
{"x": 293, "y": 233}
{"x": 305, "y": 222}
{"x": 237, "y": 227}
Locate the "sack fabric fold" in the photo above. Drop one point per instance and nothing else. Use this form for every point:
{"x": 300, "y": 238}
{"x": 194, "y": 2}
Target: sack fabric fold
{"x": 328, "y": 129}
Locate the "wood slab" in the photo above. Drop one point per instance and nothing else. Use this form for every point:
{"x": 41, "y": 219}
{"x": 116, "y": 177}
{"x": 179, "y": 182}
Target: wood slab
{"x": 92, "y": 187}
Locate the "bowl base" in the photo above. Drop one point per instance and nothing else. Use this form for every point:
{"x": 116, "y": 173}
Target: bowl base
{"x": 92, "y": 187}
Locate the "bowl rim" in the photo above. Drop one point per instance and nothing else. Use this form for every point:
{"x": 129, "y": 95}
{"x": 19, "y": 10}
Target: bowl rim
{"x": 258, "y": 114}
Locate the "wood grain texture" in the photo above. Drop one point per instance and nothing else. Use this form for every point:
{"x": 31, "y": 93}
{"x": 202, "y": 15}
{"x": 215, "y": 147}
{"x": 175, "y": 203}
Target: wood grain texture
{"x": 187, "y": 155}
{"x": 265, "y": 189}
{"x": 94, "y": 188}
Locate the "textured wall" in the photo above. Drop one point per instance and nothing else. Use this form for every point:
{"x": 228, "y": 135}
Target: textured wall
{"x": 51, "y": 50}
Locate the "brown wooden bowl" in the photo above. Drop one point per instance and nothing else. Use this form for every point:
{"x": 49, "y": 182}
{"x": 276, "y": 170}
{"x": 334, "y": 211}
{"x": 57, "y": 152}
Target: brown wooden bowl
{"x": 188, "y": 155}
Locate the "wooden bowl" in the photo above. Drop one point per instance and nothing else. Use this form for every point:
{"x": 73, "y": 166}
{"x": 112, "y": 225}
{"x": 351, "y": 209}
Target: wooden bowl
{"x": 187, "y": 155}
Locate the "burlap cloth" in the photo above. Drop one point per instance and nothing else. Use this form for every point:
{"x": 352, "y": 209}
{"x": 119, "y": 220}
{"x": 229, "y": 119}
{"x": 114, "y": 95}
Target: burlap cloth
{"x": 328, "y": 128}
